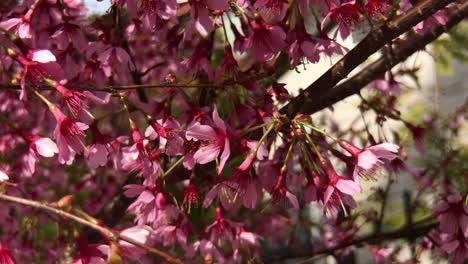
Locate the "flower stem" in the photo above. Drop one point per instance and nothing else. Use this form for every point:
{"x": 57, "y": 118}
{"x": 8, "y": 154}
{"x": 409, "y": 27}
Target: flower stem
{"x": 173, "y": 166}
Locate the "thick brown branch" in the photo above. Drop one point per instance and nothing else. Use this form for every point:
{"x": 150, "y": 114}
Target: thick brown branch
{"x": 408, "y": 232}
{"x": 368, "y": 46}
{"x": 103, "y": 230}
{"x": 379, "y": 67}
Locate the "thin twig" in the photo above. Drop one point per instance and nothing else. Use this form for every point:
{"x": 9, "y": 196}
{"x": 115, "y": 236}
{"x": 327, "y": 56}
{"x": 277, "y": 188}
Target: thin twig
{"x": 112, "y": 235}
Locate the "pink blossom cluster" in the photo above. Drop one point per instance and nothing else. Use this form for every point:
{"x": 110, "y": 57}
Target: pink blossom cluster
{"x": 209, "y": 170}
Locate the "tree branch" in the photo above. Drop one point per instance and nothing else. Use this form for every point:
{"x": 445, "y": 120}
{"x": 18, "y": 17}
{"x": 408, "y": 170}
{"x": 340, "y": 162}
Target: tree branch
{"x": 368, "y": 46}
{"x": 385, "y": 63}
{"x": 112, "y": 235}
{"x": 405, "y": 232}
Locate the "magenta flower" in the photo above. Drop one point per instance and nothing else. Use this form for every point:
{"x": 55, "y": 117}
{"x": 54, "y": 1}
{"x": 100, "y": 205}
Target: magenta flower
{"x": 38, "y": 64}
{"x": 90, "y": 253}
{"x": 98, "y": 149}
{"x": 244, "y": 186}
{"x": 5, "y": 256}
{"x": 281, "y": 194}
{"x": 191, "y": 196}
{"x": 346, "y": 16}
{"x": 456, "y": 247}
{"x": 418, "y": 136}
{"x": 266, "y": 40}
{"x": 378, "y": 8}
{"x": 199, "y": 16}
{"x": 274, "y": 6}
{"x": 72, "y": 98}
{"x": 38, "y": 145}
{"x": 140, "y": 233}
{"x": 213, "y": 141}
{"x": 70, "y": 136}
{"x": 221, "y": 228}
{"x": 21, "y": 26}
{"x": 369, "y": 159}
{"x": 453, "y": 215}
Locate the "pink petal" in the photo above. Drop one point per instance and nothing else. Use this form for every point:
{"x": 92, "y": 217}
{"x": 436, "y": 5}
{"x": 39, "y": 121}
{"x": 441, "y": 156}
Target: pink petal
{"x": 348, "y": 187}
{"x": 46, "y": 147}
{"x": 328, "y": 193}
{"x": 206, "y": 154}
{"x": 42, "y": 56}
{"x": 224, "y": 156}
{"x": 198, "y": 131}
{"x": 217, "y": 120}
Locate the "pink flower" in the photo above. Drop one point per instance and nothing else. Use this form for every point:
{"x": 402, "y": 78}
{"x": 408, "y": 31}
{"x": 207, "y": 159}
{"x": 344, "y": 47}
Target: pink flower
{"x": 177, "y": 232}
{"x": 456, "y": 248}
{"x": 72, "y": 98}
{"x": 339, "y": 183}
{"x": 418, "y": 136}
{"x": 140, "y": 234}
{"x": 22, "y": 25}
{"x": 281, "y": 194}
{"x": 38, "y": 64}
{"x": 266, "y": 40}
{"x": 248, "y": 238}
{"x": 5, "y": 256}
{"x": 69, "y": 135}
{"x": 98, "y": 153}
{"x": 244, "y": 186}
{"x": 301, "y": 45}
{"x": 213, "y": 141}
{"x": 191, "y": 196}
{"x": 157, "y": 12}
{"x": 206, "y": 248}
{"x": 369, "y": 159}
{"x": 346, "y": 16}
{"x": 199, "y": 16}
{"x": 378, "y": 8}
{"x": 90, "y": 253}
{"x": 453, "y": 215}
{"x": 381, "y": 254}
{"x": 229, "y": 67}
{"x": 221, "y": 228}
{"x": 274, "y": 6}
{"x": 37, "y": 146}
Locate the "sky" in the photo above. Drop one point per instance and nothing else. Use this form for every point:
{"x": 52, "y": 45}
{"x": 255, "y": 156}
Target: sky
{"x": 97, "y": 6}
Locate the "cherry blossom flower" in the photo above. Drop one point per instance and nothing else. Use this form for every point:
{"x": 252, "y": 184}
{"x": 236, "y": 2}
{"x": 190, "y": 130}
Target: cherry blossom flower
{"x": 38, "y": 145}
{"x": 213, "y": 141}
{"x": 5, "y": 256}
{"x": 206, "y": 249}
{"x": 98, "y": 153}
{"x": 378, "y": 8}
{"x": 221, "y": 228}
{"x": 369, "y": 159}
{"x": 456, "y": 248}
{"x": 141, "y": 234}
{"x": 281, "y": 194}
{"x": 199, "y": 16}
{"x": 191, "y": 196}
{"x": 38, "y": 64}
{"x": 266, "y": 40}
{"x": 22, "y": 26}
{"x": 90, "y": 253}
{"x": 346, "y": 16}
{"x": 70, "y": 136}
{"x": 453, "y": 215}
{"x": 381, "y": 254}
